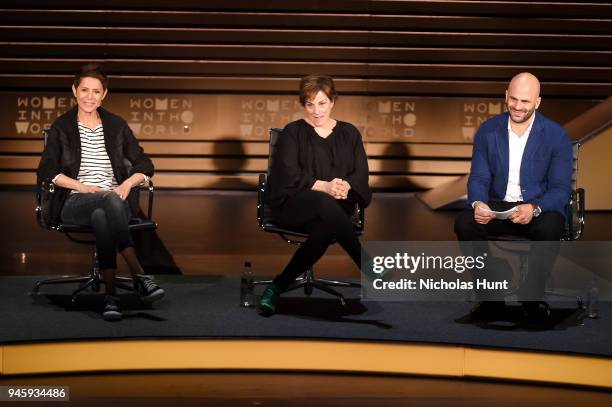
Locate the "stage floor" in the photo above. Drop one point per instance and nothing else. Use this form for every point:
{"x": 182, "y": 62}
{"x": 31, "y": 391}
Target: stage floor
{"x": 215, "y": 232}
{"x": 208, "y": 307}
{"x": 203, "y": 240}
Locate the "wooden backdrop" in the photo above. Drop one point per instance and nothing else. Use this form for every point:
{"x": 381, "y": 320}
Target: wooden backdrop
{"x": 200, "y": 82}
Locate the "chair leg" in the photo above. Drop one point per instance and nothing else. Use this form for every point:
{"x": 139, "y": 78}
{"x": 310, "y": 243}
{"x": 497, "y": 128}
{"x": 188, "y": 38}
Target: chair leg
{"x": 95, "y": 271}
{"x": 309, "y": 278}
{"x": 335, "y": 283}
{"x": 328, "y": 290}
{"x": 61, "y": 280}
{"x": 309, "y": 282}
{"x": 578, "y": 298}
{"x": 262, "y": 282}
{"x": 297, "y": 284}
{"x": 93, "y": 280}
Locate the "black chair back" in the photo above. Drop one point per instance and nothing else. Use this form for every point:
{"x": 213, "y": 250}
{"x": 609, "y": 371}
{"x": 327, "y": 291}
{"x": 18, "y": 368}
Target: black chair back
{"x": 44, "y": 197}
{"x": 575, "y": 208}
{"x": 274, "y": 135}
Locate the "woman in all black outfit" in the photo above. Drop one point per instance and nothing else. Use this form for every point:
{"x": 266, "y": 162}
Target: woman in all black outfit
{"x": 85, "y": 156}
{"x": 319, "y": 171}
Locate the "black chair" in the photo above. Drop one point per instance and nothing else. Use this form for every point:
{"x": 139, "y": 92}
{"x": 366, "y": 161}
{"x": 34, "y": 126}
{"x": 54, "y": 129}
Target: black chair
{"x": 296, "y": 237}
{"x": 44, "y": 209}
{"x": 574, "y": 227}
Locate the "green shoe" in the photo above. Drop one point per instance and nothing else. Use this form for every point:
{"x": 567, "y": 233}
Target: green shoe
{"x": 268, "y": 300}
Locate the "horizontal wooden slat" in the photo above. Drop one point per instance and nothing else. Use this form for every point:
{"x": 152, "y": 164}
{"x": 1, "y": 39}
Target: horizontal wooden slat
{"x": 499, "y": 8}
{"x": 243, "y": 164}
{"x": 176, "y": 180}
{"x": 206, "y": 148}
{"x": 409, "y": 182}
{"x": 439, "y": 48}
{"x": 11, "y": 178}
{"x": 259, "y": 148}
{"x": 287, "y": 85}
{"x": 418, "y": 150}
{"x": 277, "y": 68}
{"x": 304, "y": 53}
{"x": 215, "y": 181}
{"x": 454, "y": 7}
{"x": 320, "y": 37}
{"x": 260, "y": 165}
{"x": 21, "y": 146}
{"x": 133, "y": 18}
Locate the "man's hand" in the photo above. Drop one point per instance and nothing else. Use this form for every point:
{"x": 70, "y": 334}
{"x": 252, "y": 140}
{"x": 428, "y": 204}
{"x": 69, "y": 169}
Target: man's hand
{"x": 123, "y": 190}
{"x": 482, "y": 213}
{"x": 523, "y": 214}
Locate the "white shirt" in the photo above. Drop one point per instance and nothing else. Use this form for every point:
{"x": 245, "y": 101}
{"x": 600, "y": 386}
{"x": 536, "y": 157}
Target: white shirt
{"x": 96, "y": 168}
{"x": 516, "y": 148}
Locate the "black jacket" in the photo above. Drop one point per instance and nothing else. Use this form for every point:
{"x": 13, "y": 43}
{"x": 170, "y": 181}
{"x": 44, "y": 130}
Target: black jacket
{"x": 62, "y": 152}
{"x": 296, "y": 165}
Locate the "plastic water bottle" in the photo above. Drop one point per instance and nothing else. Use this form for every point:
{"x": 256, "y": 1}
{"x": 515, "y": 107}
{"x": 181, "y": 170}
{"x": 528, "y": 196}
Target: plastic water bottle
{"x": 593, "y": 300}
{"x": 247, "y": 298}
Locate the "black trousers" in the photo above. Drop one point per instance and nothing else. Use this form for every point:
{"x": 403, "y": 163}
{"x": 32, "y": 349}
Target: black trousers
{"x": 108, "y": 215}
{"x": 548, "y": 227}
{"x": 325, "y": 219}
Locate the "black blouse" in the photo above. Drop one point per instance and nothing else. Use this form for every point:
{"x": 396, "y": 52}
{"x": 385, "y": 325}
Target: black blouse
{"x": 302, "y": 157}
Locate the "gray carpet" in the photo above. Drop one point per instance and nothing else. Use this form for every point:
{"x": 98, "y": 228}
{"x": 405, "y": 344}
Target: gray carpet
{"x": 207, "y": 307}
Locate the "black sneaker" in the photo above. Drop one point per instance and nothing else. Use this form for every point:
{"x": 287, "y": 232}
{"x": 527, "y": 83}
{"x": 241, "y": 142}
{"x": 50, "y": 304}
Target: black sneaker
{"x": 536, "y": 311}
{"x": 488, "y": 311}
{"x": 147, "y": 290}
{"x": 112, "y": 310}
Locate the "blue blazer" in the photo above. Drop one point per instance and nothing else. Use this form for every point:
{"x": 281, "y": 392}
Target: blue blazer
{"x": 546, "y": 166}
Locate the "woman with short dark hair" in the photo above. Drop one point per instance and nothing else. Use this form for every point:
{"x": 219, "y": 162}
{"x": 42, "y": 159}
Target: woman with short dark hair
{"x": 85, "y": 155}
{"x": 319, "y": 172}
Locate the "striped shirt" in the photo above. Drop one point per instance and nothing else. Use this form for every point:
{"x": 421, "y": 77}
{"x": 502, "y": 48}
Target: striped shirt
{"x": 96, "y": 168}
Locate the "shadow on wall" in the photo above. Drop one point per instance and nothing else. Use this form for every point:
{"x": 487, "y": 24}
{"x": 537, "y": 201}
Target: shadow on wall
{"x": 229, "y": 163}
{"x": 395, "y": 162}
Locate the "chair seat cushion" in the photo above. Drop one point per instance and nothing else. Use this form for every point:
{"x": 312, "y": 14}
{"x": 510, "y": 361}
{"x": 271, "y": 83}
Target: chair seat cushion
{"x": 136, "y": 224}
{"x": 510, "y": 238}
{"x": 269, "y": 225}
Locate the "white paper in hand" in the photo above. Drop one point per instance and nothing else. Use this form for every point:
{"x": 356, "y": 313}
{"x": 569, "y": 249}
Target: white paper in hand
{"x": 502, "y": 215}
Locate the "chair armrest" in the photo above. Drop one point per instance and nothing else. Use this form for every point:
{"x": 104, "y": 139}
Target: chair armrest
{"x": 581, "y": 208}
{"x": 575, "y": 215}
{"x": 150, "y": 192}
{"x": 44, "y": 203}
{"x": 358, "y": 218}
{"x": 134, "y": 201}
{"x": 261, "y": 191}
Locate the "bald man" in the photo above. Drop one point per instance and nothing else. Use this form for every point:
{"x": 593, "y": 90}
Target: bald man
{"x": 519, "y": 159}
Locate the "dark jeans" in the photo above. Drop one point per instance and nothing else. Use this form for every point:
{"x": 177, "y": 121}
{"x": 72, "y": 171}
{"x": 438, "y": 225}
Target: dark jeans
{"x": 108, "y": 215}
{"x": 549, "y": 227}
{"x": 325, "y": 219}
